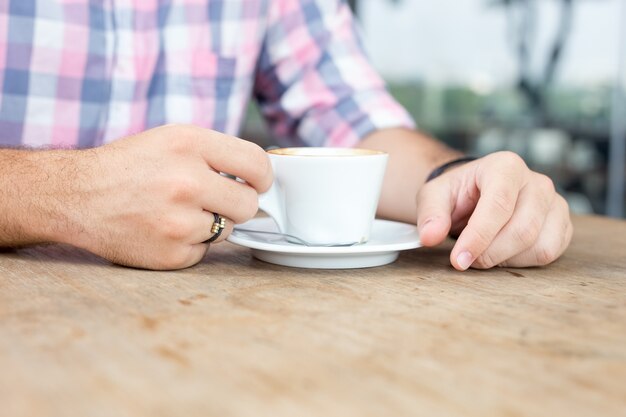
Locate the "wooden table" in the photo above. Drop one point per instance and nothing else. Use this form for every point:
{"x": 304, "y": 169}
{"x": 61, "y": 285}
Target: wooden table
{"x": 237, "y": 337}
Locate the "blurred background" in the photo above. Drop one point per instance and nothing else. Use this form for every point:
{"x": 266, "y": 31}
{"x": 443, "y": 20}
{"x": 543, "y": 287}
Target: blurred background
{"x": 544, "y": 78}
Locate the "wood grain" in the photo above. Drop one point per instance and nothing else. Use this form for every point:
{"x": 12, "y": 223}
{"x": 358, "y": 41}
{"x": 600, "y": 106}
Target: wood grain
{"x": 234, "y": 336}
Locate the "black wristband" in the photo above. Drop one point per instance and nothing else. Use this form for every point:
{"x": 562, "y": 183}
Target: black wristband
{"x": 443, "y": 168}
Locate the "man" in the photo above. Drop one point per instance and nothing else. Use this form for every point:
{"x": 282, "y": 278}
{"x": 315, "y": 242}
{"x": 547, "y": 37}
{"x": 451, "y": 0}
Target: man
{"x": 101, "y": 77}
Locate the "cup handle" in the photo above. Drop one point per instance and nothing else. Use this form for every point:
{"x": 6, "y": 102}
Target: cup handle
{"x": 271, "y": 202}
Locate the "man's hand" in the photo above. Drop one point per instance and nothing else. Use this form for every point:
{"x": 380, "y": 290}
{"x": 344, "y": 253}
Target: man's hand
{"x": 147, "y": 200}
{"x": 502, "y": 212}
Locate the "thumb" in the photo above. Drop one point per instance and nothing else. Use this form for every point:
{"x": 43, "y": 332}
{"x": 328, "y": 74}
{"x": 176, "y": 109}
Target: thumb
{"x": 434, "y": 209}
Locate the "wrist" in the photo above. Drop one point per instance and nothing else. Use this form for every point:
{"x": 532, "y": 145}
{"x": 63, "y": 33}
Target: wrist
{"x": 57, "y": 178}
{"x": 24, "y": 193}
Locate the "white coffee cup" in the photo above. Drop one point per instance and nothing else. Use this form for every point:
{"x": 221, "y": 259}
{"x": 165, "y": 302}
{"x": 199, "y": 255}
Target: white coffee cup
{"x": 325, "y": 196}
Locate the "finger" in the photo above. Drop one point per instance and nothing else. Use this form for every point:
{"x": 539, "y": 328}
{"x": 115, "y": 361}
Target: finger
{"x": 200, "y": 229}
{"x": 200, "y": 222}
{"x": 554, "y": 238}
{"x": 499, "y": 186}
{"x": 238, "y": 157}
{"x": 464, "y": 207}
{"x": 435, "y": 204}
{"x": 458, "y": 225}
{"x": 227, "y": 197}
{"x": 522, "y": 231}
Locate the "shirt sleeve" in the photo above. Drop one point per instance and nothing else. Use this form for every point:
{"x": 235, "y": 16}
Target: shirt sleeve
{"x": 314, "y": 84}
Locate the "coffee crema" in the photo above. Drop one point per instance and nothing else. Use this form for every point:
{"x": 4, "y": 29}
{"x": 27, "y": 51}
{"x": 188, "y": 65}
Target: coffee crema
{"x": 313, "y": 151}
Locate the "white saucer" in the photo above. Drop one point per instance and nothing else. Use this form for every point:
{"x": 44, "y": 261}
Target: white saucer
{"x": 386, "y": 241}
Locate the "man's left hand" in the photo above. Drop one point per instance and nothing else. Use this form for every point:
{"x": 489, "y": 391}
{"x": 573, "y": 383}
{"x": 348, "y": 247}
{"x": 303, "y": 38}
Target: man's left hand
{"x": 502, "y": 212}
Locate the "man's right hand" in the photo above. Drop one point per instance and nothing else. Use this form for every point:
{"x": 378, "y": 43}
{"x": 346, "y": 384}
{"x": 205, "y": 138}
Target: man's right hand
{"x": 148, "y": 200}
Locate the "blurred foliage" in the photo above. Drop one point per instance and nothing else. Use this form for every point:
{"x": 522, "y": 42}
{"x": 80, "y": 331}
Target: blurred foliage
{"x": 457, "y": 114}
{"x": 455, "y": 109}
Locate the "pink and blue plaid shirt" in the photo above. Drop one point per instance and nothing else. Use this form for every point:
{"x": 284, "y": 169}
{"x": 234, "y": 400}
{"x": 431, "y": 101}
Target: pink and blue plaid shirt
{"x": 81, "y": 73}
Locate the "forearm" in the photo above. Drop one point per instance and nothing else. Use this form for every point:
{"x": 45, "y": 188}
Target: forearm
{"x": 412, "y": 156}
{"x": 33, "y": 196}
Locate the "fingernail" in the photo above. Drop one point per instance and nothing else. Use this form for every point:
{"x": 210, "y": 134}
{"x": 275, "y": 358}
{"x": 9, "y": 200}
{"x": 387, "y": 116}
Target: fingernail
{"x": 424, "y": 225}
{"x": 464, "y": 260}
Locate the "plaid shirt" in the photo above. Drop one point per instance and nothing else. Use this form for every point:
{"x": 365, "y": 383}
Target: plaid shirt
{"x": 80, "y": 73}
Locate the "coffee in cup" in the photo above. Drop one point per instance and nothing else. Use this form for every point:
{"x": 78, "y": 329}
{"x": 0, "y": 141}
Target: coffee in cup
{"x": 325, "y": 196}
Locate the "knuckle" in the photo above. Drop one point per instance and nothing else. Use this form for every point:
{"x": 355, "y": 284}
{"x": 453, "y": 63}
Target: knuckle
{"x": 546, "y": 254}
{"x": 183, "y": 189}
{"x": 181, "y": 128}
{"x": 173, "y": 228}
{"x": 180, "y": 145}
{"x": 510, "y": 159}
{"x": 173, "y": 127}
{"x": 504, "y": 201}
{"x": 484, "y": 261}
{"x": 546, "y": 184}
{"x": 527, "y": 233}
{"x": 181, "y": 139}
